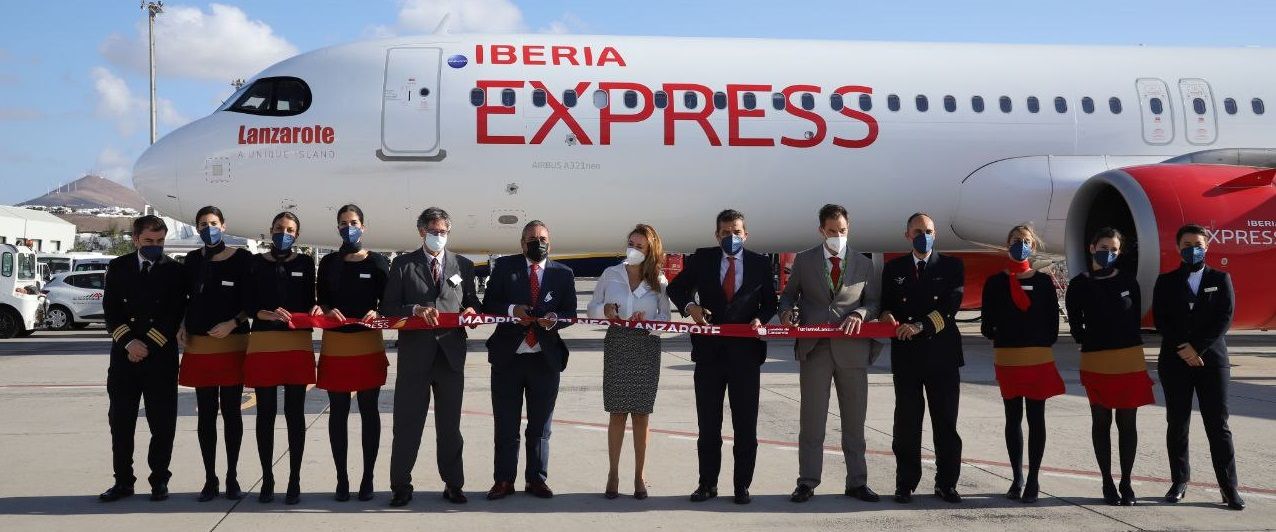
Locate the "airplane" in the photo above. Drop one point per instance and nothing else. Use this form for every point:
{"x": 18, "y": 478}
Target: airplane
{"x": 593, "y": 134}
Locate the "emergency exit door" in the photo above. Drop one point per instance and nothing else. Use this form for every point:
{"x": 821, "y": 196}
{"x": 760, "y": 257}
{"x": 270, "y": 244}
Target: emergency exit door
{"x": 1158, "y": 116}
{"x": 410, "y": 102}
{"x": 1200, "y": 123}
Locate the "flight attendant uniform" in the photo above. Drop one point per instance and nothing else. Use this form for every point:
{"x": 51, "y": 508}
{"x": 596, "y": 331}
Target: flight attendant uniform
{"x": 353, "y": 357}
{"x": 278, "y": 355}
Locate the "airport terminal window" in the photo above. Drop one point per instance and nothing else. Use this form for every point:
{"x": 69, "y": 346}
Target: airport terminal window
{"x": 477, "y": 97}
{"x": 1060, "y": 104}
{"x": 601, "y": 99}
{"x": 750, "y": 100}
{"x": 777, "y": 101}
{"x": 922, "y": 103}
{"x": 977, "y": 103}
{"x": 507, "y": 97}
{"x": 720, "y": 100}
{"x": 690, "y": 100}
{"x": 1034, "y": 105}
{"x": 281, "y": 96}
{"x": 808, "y": 101}
{"x": 538, "y": 98}
{"x": 1114, "y": 105}
{"x": 662, "y": 100}
{"x": 1087, "y": 105}
{"x": 569, "y": 98}
{"x": 950, "y": 103}
{"x": 1257, "y": 104}
{"x": 892, "y": 102}
{"x": 1156, "y": 106}
{"x": 866, "y": 102}
{"x": 836, "y": 102}
{"x": 1198, "y": 105}
{"x": 1229, "y": 105}
{"x": 1005, "y": 103}
{"x": 631, "y": 99}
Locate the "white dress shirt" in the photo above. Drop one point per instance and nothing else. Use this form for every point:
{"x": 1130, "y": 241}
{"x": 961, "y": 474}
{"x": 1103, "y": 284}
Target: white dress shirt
{"x": 429, "y": 270}
{"x": 1194, "y": 283}
{"x": 739, "y": 269}
{"x": 143, "y": 260}
{"x": 613, "y": 287}
{"x": 540, "y": 281}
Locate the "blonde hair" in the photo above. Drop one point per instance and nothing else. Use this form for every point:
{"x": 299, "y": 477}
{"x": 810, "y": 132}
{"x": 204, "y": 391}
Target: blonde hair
{"x": 655, "y": 259}
{"x": 1025, "y": 228}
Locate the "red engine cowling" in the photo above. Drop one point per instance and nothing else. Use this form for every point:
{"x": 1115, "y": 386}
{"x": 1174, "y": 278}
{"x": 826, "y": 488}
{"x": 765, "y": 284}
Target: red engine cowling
{"x": 1237, "y": 205}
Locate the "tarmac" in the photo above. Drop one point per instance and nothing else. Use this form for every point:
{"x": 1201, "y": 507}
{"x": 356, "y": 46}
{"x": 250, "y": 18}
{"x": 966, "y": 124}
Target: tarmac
{"x": 55, "y": 454}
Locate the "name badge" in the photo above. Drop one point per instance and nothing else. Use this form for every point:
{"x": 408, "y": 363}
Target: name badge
{"x": 296, "y": 274}
{"x": 1125, "y": 293}
{"x": 1028, "y": 288}
{"x": 228, "y": 283}
{"x": 365, "y": 276}
{"x": 455, "y": 279}
{"x": 1211, "y": 289}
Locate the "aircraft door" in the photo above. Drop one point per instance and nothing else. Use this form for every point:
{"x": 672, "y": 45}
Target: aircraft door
{"x": 1200, "y": 123}
{"x": 1158, "y": 117}
{"x": 410, "y": 102}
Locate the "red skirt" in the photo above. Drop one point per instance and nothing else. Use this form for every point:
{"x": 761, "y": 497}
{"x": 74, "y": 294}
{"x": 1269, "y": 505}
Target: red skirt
{"x": 1027, "y": 372}
{"x": 1117, "y": 378}
{"x": 352, "y": 361}
{"x": 279, "y": 358}
{"x": 210, "y": 361}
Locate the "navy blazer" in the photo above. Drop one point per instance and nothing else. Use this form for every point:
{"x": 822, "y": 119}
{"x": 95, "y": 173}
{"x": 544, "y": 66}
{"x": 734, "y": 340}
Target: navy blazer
{"x": 931, "y": 300}
{"x": 509, "y": 285}
{"x": 756, "y": 299}
{"x": 1203, "y": 326}
{"x": 147, "y": 308}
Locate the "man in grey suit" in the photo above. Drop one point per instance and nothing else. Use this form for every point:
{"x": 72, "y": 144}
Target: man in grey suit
{"x": 832, "y": 283}
{"x": 424, "y": 283}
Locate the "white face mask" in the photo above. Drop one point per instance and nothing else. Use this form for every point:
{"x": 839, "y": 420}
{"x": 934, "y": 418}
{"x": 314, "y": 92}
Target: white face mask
{"x": 435, "y": 242}
{"x": 633, "y": 257}
{"x": 836, "y": 243}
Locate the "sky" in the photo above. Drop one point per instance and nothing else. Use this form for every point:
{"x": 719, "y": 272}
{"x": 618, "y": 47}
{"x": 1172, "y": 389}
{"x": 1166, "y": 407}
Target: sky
{"x": 73, "y": 83}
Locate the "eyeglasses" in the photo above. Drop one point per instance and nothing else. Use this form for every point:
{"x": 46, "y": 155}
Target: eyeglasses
{"x": 443, "y": 232}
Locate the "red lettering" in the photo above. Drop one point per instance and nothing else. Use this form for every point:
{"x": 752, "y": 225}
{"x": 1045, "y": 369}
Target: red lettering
{"x": 533, "y": 55}
{"x": 488, "y": 109}
{"x": 565, "y": 53}
{"x": 701, "y": 116}
{"x": 866, "y": 118}
{"x": 735, "y": 113}
{"x": 478, "y": 54}
{"x": 286, "y": 136}
{"x": 558, "y": 112}
{"x": 503, "y": 54}
{"x": 307, "y": 136}
{"x": 589, "y": 56}
{"x": 821, "y": 128}
{"x": 610, "y": 54}
{"x": 329, "y": 135}
{"x": 606, "y": 117}
{"x": 241, "y": 135}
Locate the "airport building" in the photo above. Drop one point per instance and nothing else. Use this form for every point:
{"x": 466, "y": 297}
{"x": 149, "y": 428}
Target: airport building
{"x": 47, "y": 233}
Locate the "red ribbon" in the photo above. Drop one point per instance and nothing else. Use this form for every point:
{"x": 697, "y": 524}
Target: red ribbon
{"x": 452, "y": 320}
{"x": 1017, "y": 293}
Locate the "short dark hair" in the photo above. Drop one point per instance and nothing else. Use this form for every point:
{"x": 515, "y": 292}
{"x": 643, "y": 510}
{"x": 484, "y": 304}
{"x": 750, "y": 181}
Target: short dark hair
{"x": 831, "y": 212}
{"x": 1106, "y": 232}
{"x": 149, "y": 222}
{"x": 431, "y": 214}
{"x": 286, "y": 215}
{"x": 532, "y": 225}
{"x": 917, "y": 215}
{"x": 210, "y": 210}
{"x": 728, "y": 216}
{"x": 1191, "y": 229}
{"x": 349, "y": 207}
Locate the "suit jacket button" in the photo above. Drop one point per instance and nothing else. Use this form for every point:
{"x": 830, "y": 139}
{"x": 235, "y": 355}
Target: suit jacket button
{"x": 936, "y": 298}
{"x": 905, "y": 300}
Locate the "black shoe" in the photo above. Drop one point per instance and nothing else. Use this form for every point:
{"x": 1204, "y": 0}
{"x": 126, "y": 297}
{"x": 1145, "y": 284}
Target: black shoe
{"x": 116, "y": 493}
{"x": 293, "y": 495}
{"x": 401, "y": 497}
{"x": 539, "y": 490}
{"x": 803, "y": 493}
{"x": 1233, "y": 499}
{"x": 342, "y": 493}
{"x": 742, "y": 497}
{"x": 1127, "y": 495}
{"x": 1015, "y": 492}
{"x": 1030, "y": 492}
{"x": 159, "y": 492}
{"x": 232, "y": 489}
{"x": 704, "y": 493}
{"x": 863, "y": 493}
{"x": 210, "y": 490}
{"x": 948, "y": 495}
{"x": 1110, "y": 495}
{"x": 1178, "y": 490}
{"x": 454, "y": 495}
{"x": 366, "y": 492}
{"x": 903, "y": 496}
{"x": 267, "y": 493}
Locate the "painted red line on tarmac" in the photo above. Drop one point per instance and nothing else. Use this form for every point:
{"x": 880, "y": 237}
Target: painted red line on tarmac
{"x": 973, "y": 461}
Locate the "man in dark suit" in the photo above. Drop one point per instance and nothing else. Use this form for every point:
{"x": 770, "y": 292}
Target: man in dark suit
{"x": 921, "y": 294}
{"x": 726, "y": 284}
{"x": 527, "y": 357}
{"x": 424, "y": 283}
{"x": 1193, "y": 307}
{"x": 144, "y": 302}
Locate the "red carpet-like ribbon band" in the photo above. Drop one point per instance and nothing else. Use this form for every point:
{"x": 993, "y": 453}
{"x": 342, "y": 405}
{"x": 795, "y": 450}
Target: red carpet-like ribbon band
{"x": 449, "y": 320}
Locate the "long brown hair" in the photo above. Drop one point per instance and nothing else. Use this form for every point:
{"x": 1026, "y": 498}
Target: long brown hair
{"x": 655, "y": 259}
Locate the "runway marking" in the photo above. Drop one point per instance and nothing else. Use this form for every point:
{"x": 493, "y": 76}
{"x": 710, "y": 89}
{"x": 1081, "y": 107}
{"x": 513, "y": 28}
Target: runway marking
{"x": 596, "y": 429}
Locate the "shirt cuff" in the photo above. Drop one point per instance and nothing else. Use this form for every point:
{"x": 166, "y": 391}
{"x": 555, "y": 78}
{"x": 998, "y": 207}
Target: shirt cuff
{"x": 511, "y": 311}
{"x": 685, "y": 309}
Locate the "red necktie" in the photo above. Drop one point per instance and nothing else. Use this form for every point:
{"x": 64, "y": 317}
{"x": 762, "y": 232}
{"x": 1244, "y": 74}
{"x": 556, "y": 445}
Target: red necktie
{"x": 437, "y": 274}
{"x": 536, "y": 294}
{"x": 728, "y": 281}
{"x": 836, "y": 272}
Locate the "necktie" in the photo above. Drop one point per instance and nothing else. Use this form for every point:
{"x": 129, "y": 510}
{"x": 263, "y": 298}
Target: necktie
{"x": 146, "y": 267}
{"x": 536, "y": 294}
{"x": 728, "y": 281}
{"x": 835, "y": 274}
{"x": 921, "y": 268}
{"x": 434, "y": 267}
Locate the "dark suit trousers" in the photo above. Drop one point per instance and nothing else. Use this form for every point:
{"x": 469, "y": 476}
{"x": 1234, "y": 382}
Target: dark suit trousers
{"x": 1210, "y": 386}
{"x": 126, "y": 387}
{"x": 529, "y": 376}
{"x": 741, "y": 378}
{"x": 912, "y": 390}
{"x": 419, "y": 373}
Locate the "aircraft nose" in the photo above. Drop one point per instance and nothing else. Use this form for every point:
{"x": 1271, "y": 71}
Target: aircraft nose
{"x": 155, "y": 177}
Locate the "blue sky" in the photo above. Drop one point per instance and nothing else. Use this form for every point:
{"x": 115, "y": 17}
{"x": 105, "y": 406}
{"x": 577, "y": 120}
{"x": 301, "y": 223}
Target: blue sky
{"x": 73, "y": 83}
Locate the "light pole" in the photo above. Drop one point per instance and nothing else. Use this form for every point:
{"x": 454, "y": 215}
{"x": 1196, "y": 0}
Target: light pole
{"x": 152, "y": 9}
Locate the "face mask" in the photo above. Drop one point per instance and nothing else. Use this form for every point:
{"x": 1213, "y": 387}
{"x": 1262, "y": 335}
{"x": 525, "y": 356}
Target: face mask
{"x": 536, "y": 250}
{"x": 836, "y": 243}
{"x": 1106, "y": 259}
{"x": 923, "y": 242}
{"x": 350, "y": 235}
{"x": 283, "y": 241}
{"x": 151, "y": 253}
{"x": 731, "y": 244}
{"x": 436, "y": 243}
{"x": 1193, "y": 256}
{"x": 1020, "y": 251}
{"x": 634, "y": 257}
{"x": 211, "y": 235}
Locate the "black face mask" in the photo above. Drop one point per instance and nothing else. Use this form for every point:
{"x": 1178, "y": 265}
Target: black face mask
{"x": 536, "y": 250}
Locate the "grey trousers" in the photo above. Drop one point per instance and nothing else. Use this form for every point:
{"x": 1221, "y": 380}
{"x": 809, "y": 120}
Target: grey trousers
{"x": 419, "y": 373}
{"x": 818, "y": 371}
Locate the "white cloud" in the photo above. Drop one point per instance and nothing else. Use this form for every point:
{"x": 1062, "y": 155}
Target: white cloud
{"x": 219, "y": 44}
{"x": 113, "y": 165}
{"x": 115, "y": 101}
{"x": 466, "y": 16}
{"x": 568, "y": 23}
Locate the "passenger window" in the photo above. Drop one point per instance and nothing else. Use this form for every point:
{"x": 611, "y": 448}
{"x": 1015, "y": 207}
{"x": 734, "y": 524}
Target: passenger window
{"x": 1114, "y": 105}
{"x": 977, "y": 103}
{"x": 1006, "y": 105}
{"x": 1156, "y": 106}
{"x": 281, "y": 96}
{"x": 1229, "y": 105}
{"x": 569, "y": 98}
{"x": 1087, "y": 105}
{"x": 662, "y": 100}
{"x": 538, "y": 98}
{"x": 720, "y": 100}
{"x": 922, "y": 103}
{"x": 690, "y": 100}
{"x": 507, "y": 97}
{"x": 1060, "y": 104}
{"x": 1198, "y": 105}
{"x": 950, "y": 103}
{"x": 601, "y": 99}
{"x": 6, "y": 265}
{"x": 477, "y": 97}
{"x": 750, "y": 100}
{"x": 631, "y": 99}
{"x": 808, "y": 101}
{"x": 892, "y": 102}
{"x": 95, "y": 281}
{"x": 1034, "y": 105}
{"x": 1258, "y": 106}
{"x": 866, "y": 102}
{"x": 836, "y": 102}
{"x": 778, "y": 102}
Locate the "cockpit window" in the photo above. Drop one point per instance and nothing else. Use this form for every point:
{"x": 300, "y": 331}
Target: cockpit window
{"x": 281, "y": 96}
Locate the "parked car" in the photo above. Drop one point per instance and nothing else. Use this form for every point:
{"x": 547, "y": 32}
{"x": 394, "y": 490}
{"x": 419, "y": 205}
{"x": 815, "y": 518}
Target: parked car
{"x": 75, "y": 300}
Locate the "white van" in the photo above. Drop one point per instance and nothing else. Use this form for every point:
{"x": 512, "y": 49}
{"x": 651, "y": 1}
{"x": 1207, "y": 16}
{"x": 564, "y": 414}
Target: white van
{"x": 56, "y": 263}
{"x": 21, "y": 303}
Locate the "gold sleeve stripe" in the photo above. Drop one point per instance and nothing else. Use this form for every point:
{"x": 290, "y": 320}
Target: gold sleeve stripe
{"x": 119, "y": 332}
{"x": 937, "y": 320}
{"x": 158, "y": 337}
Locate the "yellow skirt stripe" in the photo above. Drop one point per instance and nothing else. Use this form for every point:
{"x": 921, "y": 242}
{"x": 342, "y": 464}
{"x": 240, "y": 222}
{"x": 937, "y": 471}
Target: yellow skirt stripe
{"x": 199, "y": 344}
{"x": 1114, "y": 361}
{"x": 279, "y": 341}
{"x": 1022, "y": 356}
{"x": 339, "y": 344}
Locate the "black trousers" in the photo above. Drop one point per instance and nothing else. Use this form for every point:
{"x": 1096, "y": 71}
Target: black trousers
{"x": 127, "y": 386}
{"x": 739, "y": 375}
{"x": 416, "y": 378}
{"x": 912, "y": 390}
{"x": 1209, "y": 384}
{"x": 525, "y": 376}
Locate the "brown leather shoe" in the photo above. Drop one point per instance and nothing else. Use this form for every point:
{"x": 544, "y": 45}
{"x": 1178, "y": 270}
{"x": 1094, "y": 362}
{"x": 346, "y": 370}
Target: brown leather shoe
{"x": 539, "y": 489}
{"x": 500, "y": 490}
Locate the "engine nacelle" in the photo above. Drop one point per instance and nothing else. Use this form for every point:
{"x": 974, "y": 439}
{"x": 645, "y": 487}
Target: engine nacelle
{"x": 1236, "y": 204}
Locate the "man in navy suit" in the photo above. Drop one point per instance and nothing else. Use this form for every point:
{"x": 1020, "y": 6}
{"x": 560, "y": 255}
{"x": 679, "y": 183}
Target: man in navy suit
{"x": 528, "y": 356}
{"x": 726, "y": 284}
